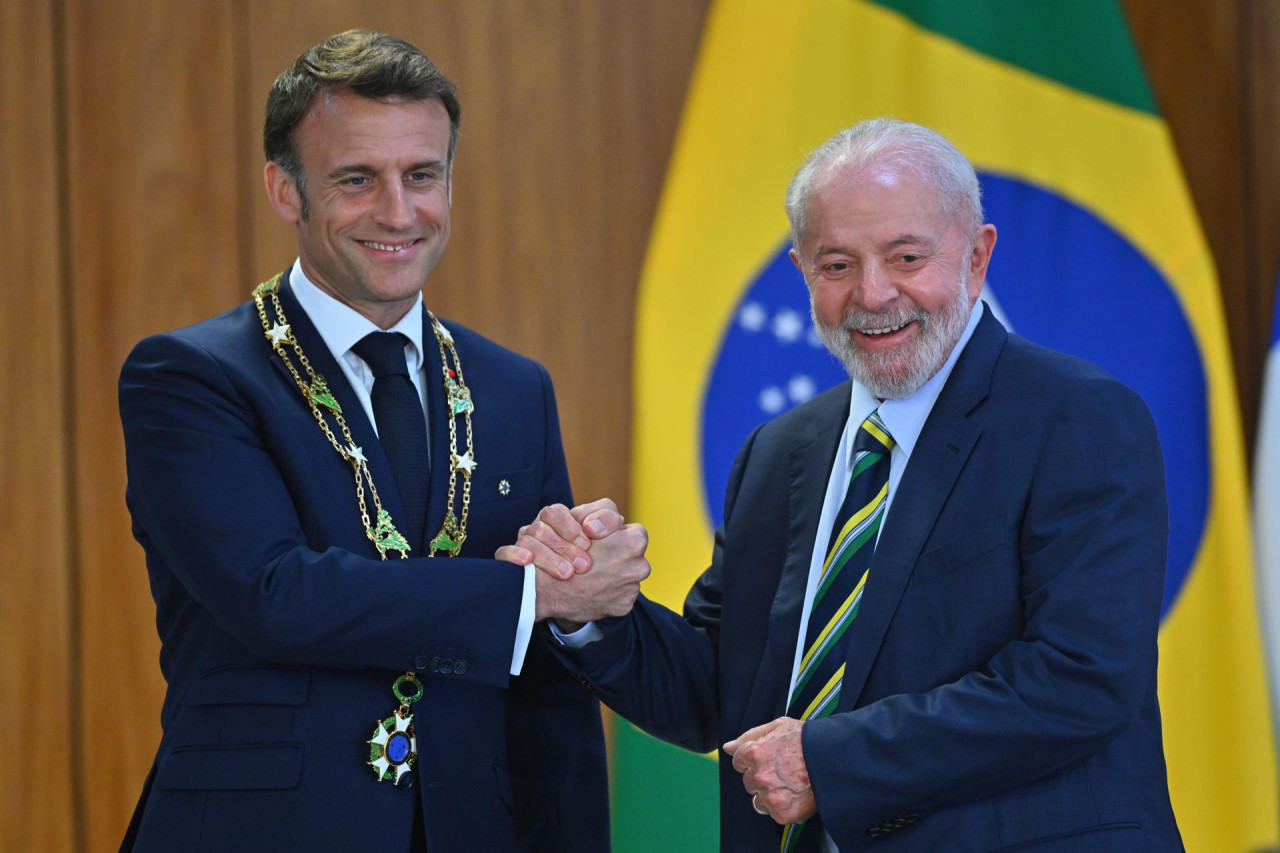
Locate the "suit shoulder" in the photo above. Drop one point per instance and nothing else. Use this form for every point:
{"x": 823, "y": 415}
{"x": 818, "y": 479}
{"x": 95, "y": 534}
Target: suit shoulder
{"x": 473, "y": 345}
{"x": 1037, "y": 362}
{"x": 225, "y": 333}
{"x": 1036, "y": 372}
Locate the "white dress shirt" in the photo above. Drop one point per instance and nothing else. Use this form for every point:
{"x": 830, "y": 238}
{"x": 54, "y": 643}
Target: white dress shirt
{"x": 342, "y": 327}
{"x": 904, "y": 419}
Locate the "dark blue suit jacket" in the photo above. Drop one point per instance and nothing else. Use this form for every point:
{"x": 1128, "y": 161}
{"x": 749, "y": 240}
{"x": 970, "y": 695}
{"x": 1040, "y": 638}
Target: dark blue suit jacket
{"x": 282, "y": 632}
{"x": 1000, "y": 690}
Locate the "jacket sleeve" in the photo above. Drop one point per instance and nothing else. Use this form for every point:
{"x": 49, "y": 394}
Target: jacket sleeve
{"x": 659, "y": 669}
{"x": 555, "y": 734}
{"x": 209, "y": 501}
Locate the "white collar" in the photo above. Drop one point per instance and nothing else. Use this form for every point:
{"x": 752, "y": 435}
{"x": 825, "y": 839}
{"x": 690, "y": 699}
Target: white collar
{"x": 342, "y": 327}
{"x": 905, "y": 418}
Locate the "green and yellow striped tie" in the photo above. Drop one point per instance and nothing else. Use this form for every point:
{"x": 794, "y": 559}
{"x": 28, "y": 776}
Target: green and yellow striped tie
{"x": 835, "y": 604}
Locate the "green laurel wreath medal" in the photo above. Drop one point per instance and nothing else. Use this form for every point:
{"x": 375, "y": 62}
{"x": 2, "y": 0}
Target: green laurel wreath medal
{"x": 393, "y": 748}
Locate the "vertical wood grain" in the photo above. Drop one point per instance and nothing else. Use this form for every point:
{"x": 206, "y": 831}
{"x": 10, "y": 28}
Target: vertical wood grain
{"x": 569, "y": 112}
{"x": 153, "y": 237}
{"x": 36, "y": 808}
{"x": 1194, "y": 56}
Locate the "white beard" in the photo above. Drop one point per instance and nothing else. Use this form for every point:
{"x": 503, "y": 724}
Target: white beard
{"x": 881, "y": 373}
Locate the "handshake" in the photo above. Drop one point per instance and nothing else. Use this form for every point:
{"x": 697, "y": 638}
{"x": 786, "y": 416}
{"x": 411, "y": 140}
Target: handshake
{"x": 590, "y": 562}
{"x": 590, "y": 566}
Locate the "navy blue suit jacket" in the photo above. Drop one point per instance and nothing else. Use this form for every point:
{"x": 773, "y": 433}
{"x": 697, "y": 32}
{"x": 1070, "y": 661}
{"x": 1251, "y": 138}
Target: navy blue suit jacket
{"x": 1000, "y": 690}
{"x": 282, "y": 632}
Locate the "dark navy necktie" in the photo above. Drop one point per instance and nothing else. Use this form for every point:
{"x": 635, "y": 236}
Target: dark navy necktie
{"x": 402, "y": 427}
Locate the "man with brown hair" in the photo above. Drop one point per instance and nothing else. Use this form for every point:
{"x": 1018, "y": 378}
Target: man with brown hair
{"x": 319, "y": 479}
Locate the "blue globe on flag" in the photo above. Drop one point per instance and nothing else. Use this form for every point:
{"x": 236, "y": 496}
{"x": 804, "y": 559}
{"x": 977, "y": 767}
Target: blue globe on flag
{"x": 1060, "y": 277}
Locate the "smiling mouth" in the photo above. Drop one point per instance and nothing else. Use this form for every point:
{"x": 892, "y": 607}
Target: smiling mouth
{"x": 885, "y": 330}
{"x": 387, "y": 247}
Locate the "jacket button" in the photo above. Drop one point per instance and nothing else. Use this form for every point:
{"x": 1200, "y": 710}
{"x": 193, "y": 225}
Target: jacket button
{"x": 873, "y": 831}
{"x": 420, "y": 663}
{"x": 406, "y": 781}
{"x": 435, "y": 664}
{"x": 460, "y": 667}
{"x": 446, "y": 666}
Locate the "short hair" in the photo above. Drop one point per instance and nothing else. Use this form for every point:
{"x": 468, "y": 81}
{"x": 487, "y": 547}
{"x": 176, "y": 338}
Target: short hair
{"x": 373, "y": 65}
{"x": 887, "y": 140}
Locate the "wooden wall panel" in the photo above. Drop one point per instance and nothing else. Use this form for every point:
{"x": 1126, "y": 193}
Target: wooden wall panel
{"x": 1197, "y": 58}
{"x": 154, "y": 243}
{"x": 569, "y": 111}
{"x": 36, "y": 687}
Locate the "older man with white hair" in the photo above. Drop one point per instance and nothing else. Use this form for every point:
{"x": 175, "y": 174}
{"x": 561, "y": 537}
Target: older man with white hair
{"x": 930, "y": 617}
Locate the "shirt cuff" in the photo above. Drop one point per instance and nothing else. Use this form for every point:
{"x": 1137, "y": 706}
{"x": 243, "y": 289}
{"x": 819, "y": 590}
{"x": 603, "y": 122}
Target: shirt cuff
{"x": 588, "y": 633}
{"x": 524, "y": 628}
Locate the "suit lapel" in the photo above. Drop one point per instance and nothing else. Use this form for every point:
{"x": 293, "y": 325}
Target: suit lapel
{"x": 362, "y": 431}
{"x": 808, "y": 470}
{"x": 945, "y": 443}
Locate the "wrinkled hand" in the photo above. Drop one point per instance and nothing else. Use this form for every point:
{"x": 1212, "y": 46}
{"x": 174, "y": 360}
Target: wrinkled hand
{"x": 771, "y": 761}
{"x": 559, "y": 540}
{"x": 609, "y": 589}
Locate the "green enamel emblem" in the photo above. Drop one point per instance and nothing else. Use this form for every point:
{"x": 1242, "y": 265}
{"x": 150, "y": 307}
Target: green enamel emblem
{"x": 320, "y": 392}
{"x": 459, "y": 397}
{"x": 386, "y": 537}
{"x": 450, "y": 537}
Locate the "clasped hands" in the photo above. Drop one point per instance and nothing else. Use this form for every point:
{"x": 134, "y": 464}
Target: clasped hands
{"x": 591, "y": 563}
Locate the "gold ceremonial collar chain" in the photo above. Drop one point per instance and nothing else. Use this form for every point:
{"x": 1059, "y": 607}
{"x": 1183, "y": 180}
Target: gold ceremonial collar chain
{"x": 324, "y": 407}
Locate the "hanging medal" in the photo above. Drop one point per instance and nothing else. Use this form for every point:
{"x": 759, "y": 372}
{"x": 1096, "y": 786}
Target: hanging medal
{"x": 393, "y": 749}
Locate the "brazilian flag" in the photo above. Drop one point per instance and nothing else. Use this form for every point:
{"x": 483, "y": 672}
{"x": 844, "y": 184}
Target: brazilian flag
{"x": 1100, "y": 255}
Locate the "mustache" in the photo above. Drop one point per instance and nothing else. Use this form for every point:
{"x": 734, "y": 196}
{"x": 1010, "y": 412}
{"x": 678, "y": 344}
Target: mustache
{"x": 861, "y": 320}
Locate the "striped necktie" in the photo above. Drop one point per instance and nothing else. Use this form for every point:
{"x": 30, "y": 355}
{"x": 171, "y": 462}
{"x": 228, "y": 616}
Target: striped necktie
{"x": 840, "y": 585}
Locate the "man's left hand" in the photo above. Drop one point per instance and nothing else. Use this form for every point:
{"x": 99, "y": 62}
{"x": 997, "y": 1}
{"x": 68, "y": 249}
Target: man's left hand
{"x": 771, "y": 761}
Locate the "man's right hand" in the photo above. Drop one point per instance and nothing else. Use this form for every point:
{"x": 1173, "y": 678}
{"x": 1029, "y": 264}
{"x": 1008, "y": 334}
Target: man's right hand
{"x": 606, "y": 586}
{"x": 609, "y": 589}
{"x": 559, "y": 540}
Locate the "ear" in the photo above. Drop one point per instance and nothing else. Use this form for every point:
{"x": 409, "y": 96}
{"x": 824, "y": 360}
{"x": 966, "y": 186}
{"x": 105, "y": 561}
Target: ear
{"x": 795, "y": 259}
{"x": 983, "y": 245}
{"x": 282, "y": 192}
